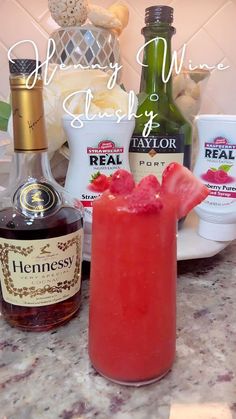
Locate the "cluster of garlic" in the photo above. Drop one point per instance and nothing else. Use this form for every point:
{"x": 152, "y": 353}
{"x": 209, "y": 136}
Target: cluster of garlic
{"x": 116, "y": 17}
{"x": 69, "y": 12}
{"x": 187, "y": 92}
{"x": 75, "y": 13}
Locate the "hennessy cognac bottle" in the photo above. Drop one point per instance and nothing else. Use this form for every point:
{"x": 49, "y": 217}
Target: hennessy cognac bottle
{"x": 41, "y": 228}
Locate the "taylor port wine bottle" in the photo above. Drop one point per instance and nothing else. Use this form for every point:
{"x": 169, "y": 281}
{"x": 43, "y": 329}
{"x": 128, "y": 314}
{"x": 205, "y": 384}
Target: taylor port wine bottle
{"x": 41, "y": 227}
{"x": 170, "y": 136}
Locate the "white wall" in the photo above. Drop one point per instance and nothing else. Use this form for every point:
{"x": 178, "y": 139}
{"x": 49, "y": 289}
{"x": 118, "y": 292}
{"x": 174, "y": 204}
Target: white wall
{"x": 207, "y": 26}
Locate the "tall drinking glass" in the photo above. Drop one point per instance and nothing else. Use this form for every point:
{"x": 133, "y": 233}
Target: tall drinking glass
{"x": 132, "y": 326}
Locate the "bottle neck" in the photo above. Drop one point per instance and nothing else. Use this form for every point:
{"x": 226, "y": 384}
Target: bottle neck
{"x": 156, "y": 77}
{"x": 30, "y": 167}
{"x": 28, "y": 114}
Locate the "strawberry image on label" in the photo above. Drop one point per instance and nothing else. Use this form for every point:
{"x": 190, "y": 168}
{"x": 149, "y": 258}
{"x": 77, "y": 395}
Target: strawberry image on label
{"x": 99, "y": 182}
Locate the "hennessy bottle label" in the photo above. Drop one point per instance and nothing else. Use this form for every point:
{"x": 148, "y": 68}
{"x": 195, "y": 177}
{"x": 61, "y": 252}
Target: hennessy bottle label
{"x": 36, "y": 273}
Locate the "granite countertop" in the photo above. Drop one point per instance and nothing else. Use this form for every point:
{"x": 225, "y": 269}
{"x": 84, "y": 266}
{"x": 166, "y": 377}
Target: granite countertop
{"x": 48, "y": 375}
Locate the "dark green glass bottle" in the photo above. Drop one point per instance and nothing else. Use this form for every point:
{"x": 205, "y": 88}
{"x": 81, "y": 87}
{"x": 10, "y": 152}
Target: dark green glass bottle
{"x": 170, "y": 136}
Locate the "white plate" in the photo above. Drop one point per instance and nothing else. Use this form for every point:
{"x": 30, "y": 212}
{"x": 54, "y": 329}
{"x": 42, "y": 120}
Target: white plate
{"x": 192, "y": 246}
{"x": 189, "y": 244}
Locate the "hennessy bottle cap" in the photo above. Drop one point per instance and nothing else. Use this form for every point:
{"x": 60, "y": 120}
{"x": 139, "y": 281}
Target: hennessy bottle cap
{"x": 24, "y": 66}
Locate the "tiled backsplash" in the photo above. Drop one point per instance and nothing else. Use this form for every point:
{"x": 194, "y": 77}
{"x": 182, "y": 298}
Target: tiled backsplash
{"x": 206, "y": 26}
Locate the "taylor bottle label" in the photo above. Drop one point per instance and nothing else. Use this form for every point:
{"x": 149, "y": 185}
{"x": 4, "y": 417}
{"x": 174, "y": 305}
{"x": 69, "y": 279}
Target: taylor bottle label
{"x": 36, "y": 273}
{"x": 151, "y": 155}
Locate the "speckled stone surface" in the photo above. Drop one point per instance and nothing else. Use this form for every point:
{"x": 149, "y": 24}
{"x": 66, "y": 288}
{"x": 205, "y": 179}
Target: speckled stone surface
{"x": 48, "y": 375}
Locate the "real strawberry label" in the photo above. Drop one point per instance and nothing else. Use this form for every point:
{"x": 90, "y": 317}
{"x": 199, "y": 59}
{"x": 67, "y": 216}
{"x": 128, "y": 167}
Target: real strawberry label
{"x": 97, "y": 150}
{"x": 105, "y": 154}
{"x": 103, "y": 158}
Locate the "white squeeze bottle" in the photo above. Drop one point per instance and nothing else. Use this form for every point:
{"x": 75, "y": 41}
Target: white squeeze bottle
{"x": 97, "y": 150}
{"x": 216, "y": 168}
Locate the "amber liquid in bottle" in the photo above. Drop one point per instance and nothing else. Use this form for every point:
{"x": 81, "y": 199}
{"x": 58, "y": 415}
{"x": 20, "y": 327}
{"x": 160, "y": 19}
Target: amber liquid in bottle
{"x": 44, "y": 318}
{"x": 40, "y": 225}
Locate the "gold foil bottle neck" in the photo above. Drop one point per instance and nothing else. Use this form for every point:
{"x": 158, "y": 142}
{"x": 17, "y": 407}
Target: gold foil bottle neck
{"x": 28, "y": 114}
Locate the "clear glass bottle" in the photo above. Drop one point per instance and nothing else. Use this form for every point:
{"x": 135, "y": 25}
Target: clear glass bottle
{"x": 41, "y": 227}
{"x": 171, "y": 135}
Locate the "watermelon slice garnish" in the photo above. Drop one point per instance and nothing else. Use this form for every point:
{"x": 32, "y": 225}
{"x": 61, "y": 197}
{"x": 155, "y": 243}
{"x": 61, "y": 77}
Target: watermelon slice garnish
{"x": 184, "y": 187}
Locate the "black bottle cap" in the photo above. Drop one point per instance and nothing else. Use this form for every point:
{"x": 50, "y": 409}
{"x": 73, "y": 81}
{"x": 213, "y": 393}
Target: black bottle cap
{"x": 24, "y": 66}
{"x": 159, "y": 14}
